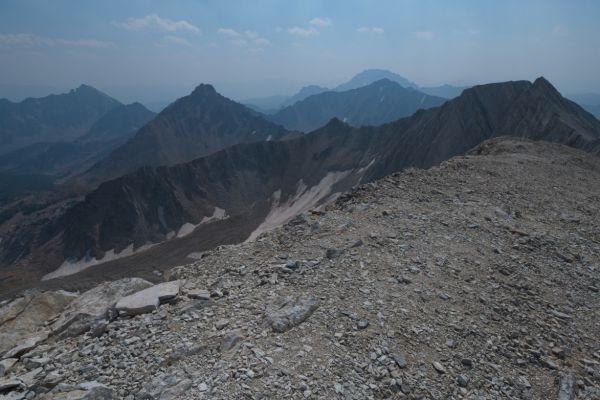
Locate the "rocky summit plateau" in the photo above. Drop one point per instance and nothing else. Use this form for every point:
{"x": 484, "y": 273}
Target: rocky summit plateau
{"x": 477, "y": 278}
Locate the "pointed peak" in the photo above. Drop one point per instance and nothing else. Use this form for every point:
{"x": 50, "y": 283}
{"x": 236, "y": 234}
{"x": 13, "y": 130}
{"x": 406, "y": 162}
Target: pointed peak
{"x": 335, "y": 122}
{"x": 204, "y": 89}
{"x": 542, "y": 82}
{"x": 83, "y": 88}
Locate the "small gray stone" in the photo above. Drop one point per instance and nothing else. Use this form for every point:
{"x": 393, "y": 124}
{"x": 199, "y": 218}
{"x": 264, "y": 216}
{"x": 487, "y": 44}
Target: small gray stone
{"x": 566, "y": 390}
{"x": 438, "y": 367}
{"x": 332, "y": 253}
{"x": 400, "y": 360}
{"x": 222, "y": 323}
{"x": 290, "y": 312}
{"x": 363, "y": 324}
{"x": 230, "y": 341}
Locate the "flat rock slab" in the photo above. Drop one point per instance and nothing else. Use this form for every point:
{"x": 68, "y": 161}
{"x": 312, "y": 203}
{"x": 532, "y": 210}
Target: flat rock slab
{"x": 198, "y": 294}
{"x": 6, "y": 365}
{"x": 566, "y": 390}
{"x": 147, "y": 300}
{"x": 25, "y": 346}
{"x": 290, "y": 312}
{"x": 25, "y": 316}
{"x": 94, "y": 304}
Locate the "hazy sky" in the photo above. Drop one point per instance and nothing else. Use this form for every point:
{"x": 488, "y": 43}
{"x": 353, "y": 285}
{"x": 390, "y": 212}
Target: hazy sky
{"x": 254, "y": 48}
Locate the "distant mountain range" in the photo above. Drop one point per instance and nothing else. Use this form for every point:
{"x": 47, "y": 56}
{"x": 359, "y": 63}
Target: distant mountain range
{"x": 54, "y": 118}
{"x": 239, "y": 191}
{"x": 191, "y": 127}
{"x": 377, "y": 103}
{"x": 271, "y": 105}
{"x": 589, "y": 101}
{"x": 54, "y": 137}
{"x": 62, "y": 159}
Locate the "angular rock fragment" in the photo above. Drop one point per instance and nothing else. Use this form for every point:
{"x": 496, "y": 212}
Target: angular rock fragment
{"x": 148, "y": 299}
{"x": 230, "y": 341}
{"x": 291, "y": 312}
{"x": 25, "y": 346}
{"x": 94, "y": 305}
{"x": 26, "y": 315}
{"x": 566, "y": 390}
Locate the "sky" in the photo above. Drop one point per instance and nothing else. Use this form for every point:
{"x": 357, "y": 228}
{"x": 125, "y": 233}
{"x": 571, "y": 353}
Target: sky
{"x": 154, "y": 50}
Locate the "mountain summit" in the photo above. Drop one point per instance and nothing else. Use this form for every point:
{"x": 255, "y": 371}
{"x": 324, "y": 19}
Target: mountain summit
{"x": 193, "y": 126}
{"x": 54, "y": 118}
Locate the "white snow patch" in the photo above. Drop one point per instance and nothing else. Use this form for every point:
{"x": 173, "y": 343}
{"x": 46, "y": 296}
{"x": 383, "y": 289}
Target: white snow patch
{"x": 73, "y": 267}
{"x": 187, "y": 228}
{"x": 269, "y": 138}
{"x": 304, "y": 199}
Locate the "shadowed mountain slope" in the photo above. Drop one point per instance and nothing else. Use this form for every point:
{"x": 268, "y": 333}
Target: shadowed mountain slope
{"x": 54, "y": 118}
{"x": 191, "y": 127}
{"x": 375, "y": 104}
{"x": 255, "y": 186}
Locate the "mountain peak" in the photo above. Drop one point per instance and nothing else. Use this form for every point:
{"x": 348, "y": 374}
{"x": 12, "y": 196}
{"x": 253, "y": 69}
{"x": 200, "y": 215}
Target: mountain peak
{"x": 369, "y": 76}
{"x": 204, "y": 89}
{"x": 336, "y": 123}
{"x": 542, "y": 82}
{"x": 83, "y": 88}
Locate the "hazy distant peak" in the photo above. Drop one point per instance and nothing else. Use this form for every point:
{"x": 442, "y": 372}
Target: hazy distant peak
{"x": 369, "y": 76}
{"x": 204, "y": 89}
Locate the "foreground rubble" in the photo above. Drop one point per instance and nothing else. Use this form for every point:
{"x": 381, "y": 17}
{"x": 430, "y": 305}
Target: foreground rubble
{"x": 478, "y": 279}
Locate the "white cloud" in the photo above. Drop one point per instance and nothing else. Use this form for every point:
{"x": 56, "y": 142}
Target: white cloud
{"x": 174, "y": 40}
{"x": 298, "y": 31}
{"x": 246, "y": 40}
{"x": 228, "y": 32}
{"x": 425, "y": 35}
{"x": 374, "y": 29}
{"x": 321, "y": 22}
{"x": 262, "y": 42}
{"x": 155, "y": 22}
{"x": 30, "y": 40}
{"x": 239, "y": 42}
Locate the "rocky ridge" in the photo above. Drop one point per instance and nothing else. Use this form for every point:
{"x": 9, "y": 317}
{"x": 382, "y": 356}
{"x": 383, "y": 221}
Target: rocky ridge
{"x": 477, "y": 279}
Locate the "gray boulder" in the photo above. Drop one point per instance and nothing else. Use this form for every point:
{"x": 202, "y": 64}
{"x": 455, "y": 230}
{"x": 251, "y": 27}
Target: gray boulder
{"x": 290, "y": 312}
{"x": 25, "y": 316}
{"x": 148, "y": 299}
{"x": 94, "y": 305}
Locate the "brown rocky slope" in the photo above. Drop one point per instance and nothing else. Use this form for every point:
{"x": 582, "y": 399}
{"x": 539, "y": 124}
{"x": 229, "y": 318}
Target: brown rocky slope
{"x": 477, "y": 279}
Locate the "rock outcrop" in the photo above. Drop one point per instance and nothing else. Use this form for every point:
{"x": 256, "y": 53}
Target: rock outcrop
{"x": 95, "y": 305}
{"x": 25, "y": 316}
{"x": 148, "y": 299}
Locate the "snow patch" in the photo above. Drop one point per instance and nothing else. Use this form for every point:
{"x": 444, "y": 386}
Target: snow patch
{"x": 188, "y": 227}
{"x": 72, "y": 267}
{"x": 304, "y": 199}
